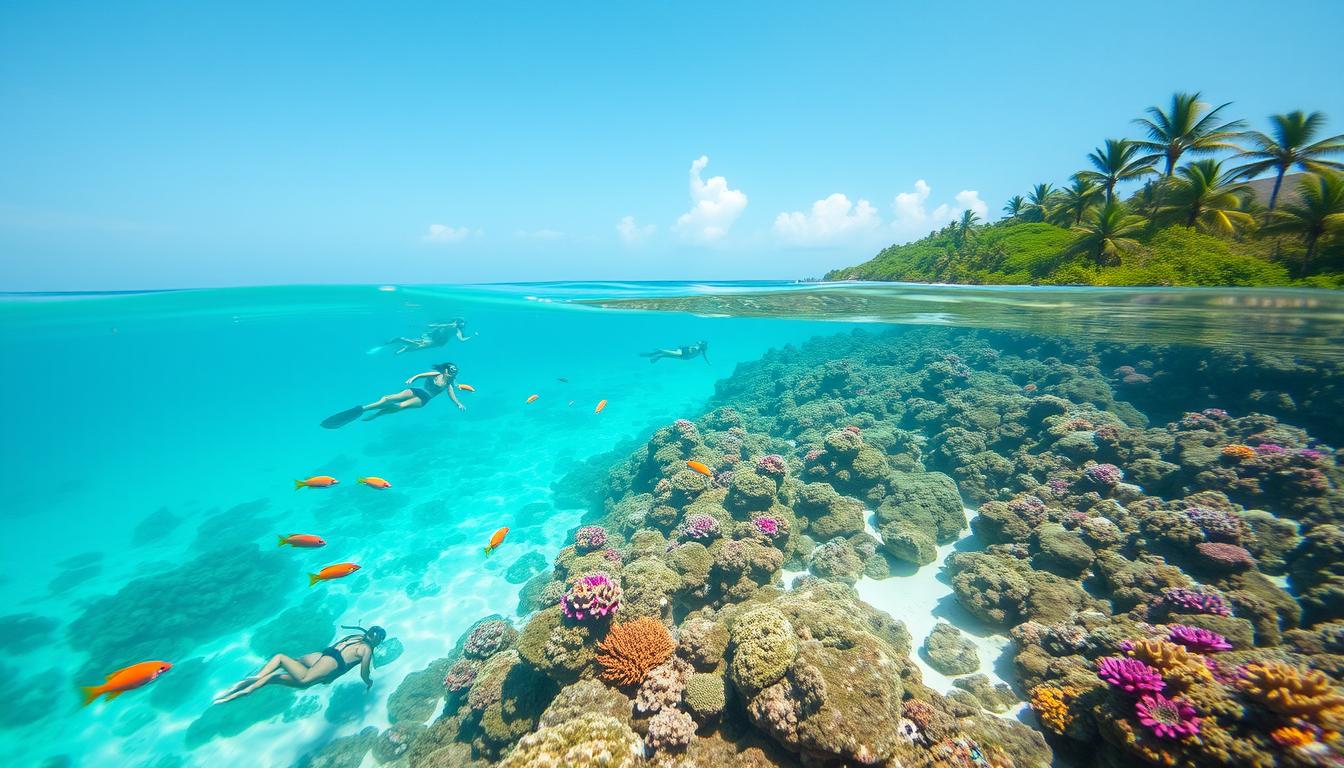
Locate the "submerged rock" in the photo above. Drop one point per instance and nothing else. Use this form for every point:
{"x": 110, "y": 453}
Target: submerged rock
{"x": 949, "y": 652}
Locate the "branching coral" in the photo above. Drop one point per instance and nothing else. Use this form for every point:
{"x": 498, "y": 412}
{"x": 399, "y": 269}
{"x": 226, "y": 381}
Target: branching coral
{"x": 772, "y": 465}
{"x": 591, "y": 596}
{"x": 1104, "y": 475}
{"x": 1237, "y": 452}
{"x": 699, "y": 526}
{"x": 1051, "y": 705}
{"x": 1177, "y": 665}
{"x": 767, "y": 526}
{"x": 1292, "y": 691}
{"x": 1197, "y": 639}
{"x": 670, "y": 730}
{"x": 1195, "y": 601}
{"x": 590, "y": 538}
{"x": 633, "y": 648}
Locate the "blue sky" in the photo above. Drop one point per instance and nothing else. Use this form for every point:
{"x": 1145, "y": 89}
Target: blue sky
{"x": 170, "y": 144}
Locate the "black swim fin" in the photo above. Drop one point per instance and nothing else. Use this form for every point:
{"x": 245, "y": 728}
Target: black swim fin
{"x": 335, "y": 421}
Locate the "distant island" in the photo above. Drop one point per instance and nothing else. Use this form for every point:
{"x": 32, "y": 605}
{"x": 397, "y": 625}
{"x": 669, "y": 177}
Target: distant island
{"x": 1218, "y": 205}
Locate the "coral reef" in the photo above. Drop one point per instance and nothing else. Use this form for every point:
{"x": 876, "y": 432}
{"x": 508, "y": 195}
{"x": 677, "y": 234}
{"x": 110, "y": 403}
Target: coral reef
{"x": 591, "y": 596}
{"x": 632, "y": 649}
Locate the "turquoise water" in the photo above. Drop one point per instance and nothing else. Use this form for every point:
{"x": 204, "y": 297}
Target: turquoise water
{"x": 160, "y": 433}
{"x": 151, "y": 440}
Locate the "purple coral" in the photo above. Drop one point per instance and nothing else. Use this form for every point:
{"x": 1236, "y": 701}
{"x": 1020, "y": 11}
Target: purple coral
{"x": 1130, "y": 675}
{"x": 460, "y": 676}
{"x": 1217, "y": 414}
{"x": 488, "y": 638}
{"x": 590, "y": 538}
{"x": 767, "y": 525}
{"x": 1216, "y": 524}
{"x": 611, "y": 555}
{"x": 700, "y": 527}
{"x": 1311, "y": 454}
{"x": 1265, "y": 449}
{"x": 1185, "y": 600}
{"x": 772, "y": 465}
{"x": 1167, "y": 718}
{"x": 686, "y": 429}
{"x": 591, "y": 596}
{"x": 1197, "y": 639}
{"x": 1104, "y": 475}
{"x": 1058, "y": 486}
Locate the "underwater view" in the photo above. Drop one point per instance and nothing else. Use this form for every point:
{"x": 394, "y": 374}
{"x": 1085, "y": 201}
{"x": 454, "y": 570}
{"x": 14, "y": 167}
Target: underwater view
{"x": 673, "y": 524}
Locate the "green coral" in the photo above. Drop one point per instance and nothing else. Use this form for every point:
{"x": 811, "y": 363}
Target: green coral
{"x": 561, "y": 650}
{"x": 706, "y": 695}
{"x": 763, "y": 646}
{"x": 587, "y": 741}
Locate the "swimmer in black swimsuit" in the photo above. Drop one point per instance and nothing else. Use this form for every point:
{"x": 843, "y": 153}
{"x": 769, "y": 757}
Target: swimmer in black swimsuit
{"x": 324, "y": 666}
{"x": 680, "y": 353}
{"x": 437, "y": 335}
{"x": 440, "y": 380}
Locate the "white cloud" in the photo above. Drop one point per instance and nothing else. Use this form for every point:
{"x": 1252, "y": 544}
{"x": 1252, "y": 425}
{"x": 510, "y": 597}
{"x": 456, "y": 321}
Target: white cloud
{"x": 715, "y": 207}
{"x": 912, "y": 219}
{"x": 441, "y": 234}
{"x": 632, "y": 233}
{"x": 539, "y": 234}
{"x": 831, "y": 220}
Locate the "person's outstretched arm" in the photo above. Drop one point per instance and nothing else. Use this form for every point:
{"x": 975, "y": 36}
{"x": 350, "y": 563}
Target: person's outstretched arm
{"x": 452, "y": 395}
{"x": 418, "y": 376}
{"x": 364, "y": 667}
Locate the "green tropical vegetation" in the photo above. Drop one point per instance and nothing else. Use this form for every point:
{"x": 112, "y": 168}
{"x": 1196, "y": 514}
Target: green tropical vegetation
{"x": 1210, "y": 202}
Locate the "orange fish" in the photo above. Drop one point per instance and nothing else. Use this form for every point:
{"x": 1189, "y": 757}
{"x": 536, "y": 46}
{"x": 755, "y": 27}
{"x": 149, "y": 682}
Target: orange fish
{"x": 316, "y": 481}
{"x": 1029, "y": 388}
{"x": 532, "y": 398}
{"x": 375, "y": 482}
{"x": 337, "y": 571}
{"x": 124, "y": 680}
{"x": 497, "y": 539}
{"x": 600, "y": 405}
{"x": 305, "y": 540}
{"x": 466, "y": 387}
{"x": 701, "y": 468}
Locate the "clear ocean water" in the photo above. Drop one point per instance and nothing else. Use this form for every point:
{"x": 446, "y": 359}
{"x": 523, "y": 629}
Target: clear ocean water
{"x": 152, "y": 440}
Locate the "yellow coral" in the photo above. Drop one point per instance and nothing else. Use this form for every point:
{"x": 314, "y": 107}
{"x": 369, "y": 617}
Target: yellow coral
{"x": 1292, "y": 691}
{"x": 1051, "y": 705}
{"x": 1178, "y": 665}
{"x": 632, "y": 649}
{"x": 1238, "y": 452}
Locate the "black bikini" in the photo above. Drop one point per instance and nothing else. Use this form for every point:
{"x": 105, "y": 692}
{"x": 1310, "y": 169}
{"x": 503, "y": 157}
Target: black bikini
{"x": 429, "y": 391}
{"x": 342, "y": 666}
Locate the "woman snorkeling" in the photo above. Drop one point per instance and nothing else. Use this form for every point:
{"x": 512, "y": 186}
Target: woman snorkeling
{"x": 324, "y": 666}
{"x": 700, "y": 349}
{"x": 437, "y": 335}
{"x": 438, "y": 381}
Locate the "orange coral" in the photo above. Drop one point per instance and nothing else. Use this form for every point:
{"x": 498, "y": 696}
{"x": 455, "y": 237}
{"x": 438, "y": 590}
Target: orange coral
{"x": 1177, "y": 665}
{"x": 1292, "y": 736}
{"x": 1238, "y": 452}
{"x": 1052, "y": 706}
{"x": 1292, "y": 691}
{"x": 632, "y": 649}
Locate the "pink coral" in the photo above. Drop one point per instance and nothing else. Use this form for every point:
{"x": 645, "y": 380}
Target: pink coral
{"x": 1195, "y": 601}
{"x": 1229, "y": 557}
{"x": 591, "y": 596}
{"x": 1197, "y": 639}
{"x": 772, "y": 465}
{"x": 1216, "y": 524}
{"x": 1105, "y": 475}
{"x": 1167, "y": 718}
{"x": 589, "y": 538}
{"x": 1130, "y": 675}
{"x": 700, "y": 527}
{"x": 767, "y": 525}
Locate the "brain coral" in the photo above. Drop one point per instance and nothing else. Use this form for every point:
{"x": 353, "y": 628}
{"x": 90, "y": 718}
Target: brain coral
{"x": 1292, "y": 691}
{"x": 587, "y": 741}
{"x": 763, "y": 647}
{"x": 633, "y": 648}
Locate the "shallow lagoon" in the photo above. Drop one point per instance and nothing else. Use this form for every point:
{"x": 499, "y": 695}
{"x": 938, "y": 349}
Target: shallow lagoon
{"x": 159, "y": 434}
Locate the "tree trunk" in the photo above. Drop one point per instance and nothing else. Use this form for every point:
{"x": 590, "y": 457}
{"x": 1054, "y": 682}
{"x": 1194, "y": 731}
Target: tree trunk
{"x": 1278, "y": 181}
{"x": 1306, "y": 257}
{"x": 1171, "y": 163}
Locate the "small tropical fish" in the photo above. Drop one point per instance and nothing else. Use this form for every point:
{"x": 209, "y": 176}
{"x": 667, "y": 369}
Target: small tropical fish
{"x": 124, "y": 680}
{"x": 562, "y": 380}
{"x": 600, "y": 405}
{"x": 337, "y": 571}
{"x": 1029, "y": 388}
{"x": 375, "y": 482}
{"x": 701, "y": 468}
{"x": 305, "y": 540}
{"x": 497, "y": 539}
{"x": 466, "y": 387}
{"x": 571, "y": 402}
{"x": 532, "y": 398}
{"x": 316, "y": 481}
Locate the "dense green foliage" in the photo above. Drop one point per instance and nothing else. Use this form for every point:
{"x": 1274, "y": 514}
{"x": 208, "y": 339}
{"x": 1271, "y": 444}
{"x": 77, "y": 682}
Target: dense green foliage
{"x": 1193, "y": 224}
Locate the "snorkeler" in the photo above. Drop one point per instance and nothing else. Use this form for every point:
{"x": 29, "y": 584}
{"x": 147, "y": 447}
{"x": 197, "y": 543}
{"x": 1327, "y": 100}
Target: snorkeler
{"x": 700, "y": 349}
{"x": 437, "y": 335}
{"x": 439, "y": 380}
{"x": 323, "y": 666}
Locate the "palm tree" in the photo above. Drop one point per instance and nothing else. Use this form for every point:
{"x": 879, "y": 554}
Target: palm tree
{"x": 1188, "y": 125}
{"x": 1317, "y": 214}
{"x": 965, "y": 226}
{"x": 1074, "y": 200}
{"x": 1118, "y": 161}
{"x": 1039, "y": 202}
{"x": 1106, "y": 232}
{"x": 1148, "y": 199}
{"x": 1013, "y": 208}
{"x": 1203, "y": 196}
{"x": 1291, "y": 144}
